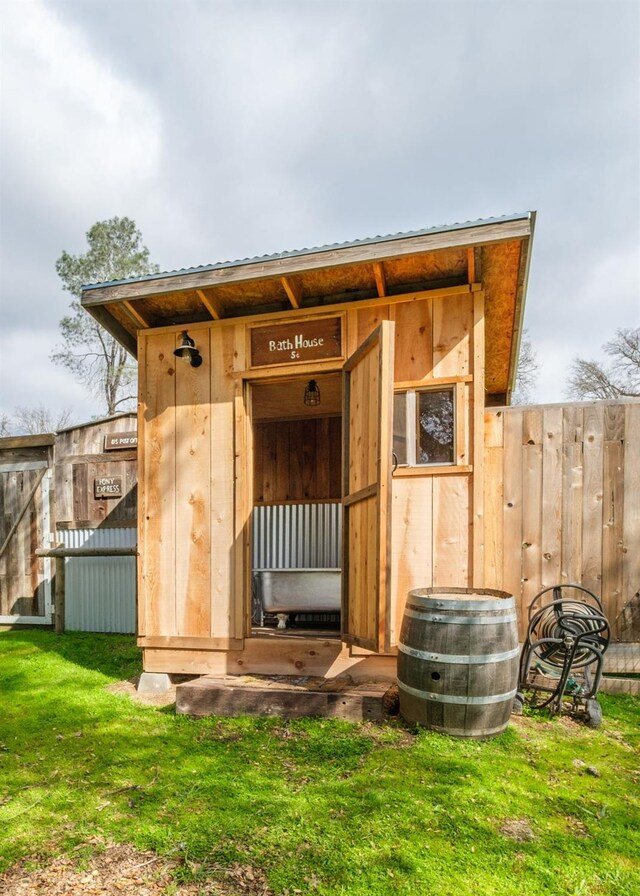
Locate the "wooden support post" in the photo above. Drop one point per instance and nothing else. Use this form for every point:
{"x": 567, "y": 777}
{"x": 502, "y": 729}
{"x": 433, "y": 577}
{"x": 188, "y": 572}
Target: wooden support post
{"x": 58, "y": 618}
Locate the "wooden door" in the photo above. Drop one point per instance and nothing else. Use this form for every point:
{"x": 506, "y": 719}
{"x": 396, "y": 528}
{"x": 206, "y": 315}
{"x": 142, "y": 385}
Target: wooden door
{"x": 368, "y": 433}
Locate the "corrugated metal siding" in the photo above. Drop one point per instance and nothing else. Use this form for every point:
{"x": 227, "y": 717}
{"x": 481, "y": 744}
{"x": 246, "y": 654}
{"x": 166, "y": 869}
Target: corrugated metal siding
{"x": 100, "y": 592}
{"x": 297, "y": 536}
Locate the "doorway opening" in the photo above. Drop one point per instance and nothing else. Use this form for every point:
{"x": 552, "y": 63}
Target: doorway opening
{"x": 296, "y": 527}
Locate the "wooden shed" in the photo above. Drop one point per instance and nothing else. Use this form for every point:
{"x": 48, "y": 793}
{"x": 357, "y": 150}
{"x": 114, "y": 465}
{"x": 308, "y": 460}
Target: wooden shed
{"x": 317, "y": 411}
{"x": 76, "y": 488}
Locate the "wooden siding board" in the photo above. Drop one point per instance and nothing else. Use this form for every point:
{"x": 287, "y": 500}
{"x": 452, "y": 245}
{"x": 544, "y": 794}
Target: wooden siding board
{"x": 142, "y": 597}
{"x": 367, "y": 321}
{"x": 473, "y": 434}
{"x": 513, "y": 509}
{"x": 451, "y": 544}
{"x": 158, "y": 479}
{"x": 414, "y": 341}
{"x": 452, "y": 325}
{"x": 592, "y": 499}
{"x": 613, "y": 531}
{"x": 193, "y": 510}
{"x": 222, "y": 483}
{"x": 572, "y": 487}
{"x": 411, "y": 542}
{"x": 531, "y": 523}
{"x": 631, "y": 512}
{"x": 493, "y": 518}
{"x": 241, "y": 607}
{"x": 551, "y": 545}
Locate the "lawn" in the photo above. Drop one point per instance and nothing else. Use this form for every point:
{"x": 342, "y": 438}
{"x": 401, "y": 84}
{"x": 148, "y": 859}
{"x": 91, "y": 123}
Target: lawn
{"x": 313, "y": 806}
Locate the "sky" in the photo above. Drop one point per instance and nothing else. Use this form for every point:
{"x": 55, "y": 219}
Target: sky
{"x": 233, "y": 129}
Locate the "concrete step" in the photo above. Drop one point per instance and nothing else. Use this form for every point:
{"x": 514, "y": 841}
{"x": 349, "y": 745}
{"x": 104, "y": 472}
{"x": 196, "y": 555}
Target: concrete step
{"x": 288, "y": 697}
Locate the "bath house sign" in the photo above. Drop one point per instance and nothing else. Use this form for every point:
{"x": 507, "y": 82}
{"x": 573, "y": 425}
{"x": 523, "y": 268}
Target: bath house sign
{"x": 309, "y": 340}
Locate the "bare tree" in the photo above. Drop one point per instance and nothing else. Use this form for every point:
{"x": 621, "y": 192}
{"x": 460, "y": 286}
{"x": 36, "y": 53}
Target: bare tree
{"x": 33, "y": 421}
{"x": 618, "y": 379}
{"x": 95, "y": 358}
{"x": 527, "y": 372}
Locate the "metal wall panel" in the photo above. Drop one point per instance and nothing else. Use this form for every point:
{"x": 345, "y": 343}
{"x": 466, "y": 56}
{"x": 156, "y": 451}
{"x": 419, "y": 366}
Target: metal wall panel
{"x": 100, "y": 592}
{"x": 297, "y": 536}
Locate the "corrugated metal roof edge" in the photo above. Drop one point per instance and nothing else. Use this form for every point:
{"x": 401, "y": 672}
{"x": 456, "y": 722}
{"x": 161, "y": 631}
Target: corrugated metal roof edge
{"x": 98, "y": 420}
{"x": 331, "y": 247}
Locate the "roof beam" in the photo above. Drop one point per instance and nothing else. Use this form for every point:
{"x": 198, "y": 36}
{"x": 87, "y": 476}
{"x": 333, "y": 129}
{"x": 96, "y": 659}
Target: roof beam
{"x": 119, "y": 333}
{"x": 293, "y": 291}
{"x": 381, "y": 280}
{"x": 135, "y": 315}
{"x": 213, "y": 308}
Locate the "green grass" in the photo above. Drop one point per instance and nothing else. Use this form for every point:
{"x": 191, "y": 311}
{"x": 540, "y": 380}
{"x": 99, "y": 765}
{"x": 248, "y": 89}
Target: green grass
{"x": 323, "y": 807}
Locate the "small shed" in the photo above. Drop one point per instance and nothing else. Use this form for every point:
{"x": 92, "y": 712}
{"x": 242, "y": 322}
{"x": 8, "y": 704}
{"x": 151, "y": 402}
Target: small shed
{"x": 317, "y": 413}
{"x": 76, "y": 488}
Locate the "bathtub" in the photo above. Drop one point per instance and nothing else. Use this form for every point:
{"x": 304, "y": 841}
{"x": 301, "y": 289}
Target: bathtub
{"x": 284, "y": 591}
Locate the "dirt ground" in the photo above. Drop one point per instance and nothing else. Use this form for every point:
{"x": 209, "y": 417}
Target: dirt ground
{"x": 130, "y": 687}
{"x": 121, "y": 870}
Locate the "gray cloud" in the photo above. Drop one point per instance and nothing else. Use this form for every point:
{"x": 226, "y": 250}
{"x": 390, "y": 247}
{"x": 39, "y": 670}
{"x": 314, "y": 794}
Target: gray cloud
{"x": 233, "y": 129}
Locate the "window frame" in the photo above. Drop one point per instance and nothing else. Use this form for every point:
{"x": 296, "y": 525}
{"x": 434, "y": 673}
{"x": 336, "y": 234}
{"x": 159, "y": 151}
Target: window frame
{"x": 412, "y": 428}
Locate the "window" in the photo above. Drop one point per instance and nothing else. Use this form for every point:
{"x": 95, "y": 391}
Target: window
{"x": 424, "y": 427}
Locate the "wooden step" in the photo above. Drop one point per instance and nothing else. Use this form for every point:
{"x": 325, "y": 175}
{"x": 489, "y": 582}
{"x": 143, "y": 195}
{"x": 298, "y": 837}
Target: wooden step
{"x": 288, "y": 697}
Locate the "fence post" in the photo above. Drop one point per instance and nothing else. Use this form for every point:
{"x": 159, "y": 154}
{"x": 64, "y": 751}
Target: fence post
{"x": 59, "y": 596}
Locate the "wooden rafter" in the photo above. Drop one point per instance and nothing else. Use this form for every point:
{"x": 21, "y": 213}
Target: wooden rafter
{"x": 381, "y": 280}
{"x": 208, "y": 303}
{"x": 471, "y": 265}
{"x": 135, "y": 315}
{"x": 293, "y": 291}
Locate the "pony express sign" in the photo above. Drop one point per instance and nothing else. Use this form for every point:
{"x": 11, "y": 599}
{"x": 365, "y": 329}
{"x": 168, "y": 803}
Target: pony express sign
{"x": 107, "y": 487}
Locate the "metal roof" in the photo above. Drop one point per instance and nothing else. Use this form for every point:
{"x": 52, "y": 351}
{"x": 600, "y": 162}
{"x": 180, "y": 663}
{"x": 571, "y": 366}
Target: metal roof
{"x": 330, "y": 247}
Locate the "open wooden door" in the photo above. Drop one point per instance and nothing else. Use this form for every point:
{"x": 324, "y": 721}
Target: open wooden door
{"x": 368, "y": 433}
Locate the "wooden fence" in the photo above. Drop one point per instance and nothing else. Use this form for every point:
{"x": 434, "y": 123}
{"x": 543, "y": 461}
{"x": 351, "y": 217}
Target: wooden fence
{"x": 562, "y": 504}
{"x": 25, "y": 523}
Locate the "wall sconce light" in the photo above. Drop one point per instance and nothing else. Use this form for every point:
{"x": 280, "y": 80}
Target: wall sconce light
{"x": 312, "y": 394}
{"x": 188, "y": 351}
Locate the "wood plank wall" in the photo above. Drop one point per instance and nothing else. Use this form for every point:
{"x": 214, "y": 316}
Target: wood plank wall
{"x": 562, "y": 504}
{"x": 297, "y": 460}
{"x": 79, "y": 459}
{"x": 186, "y": 478}
{"x": 195, "y": 442}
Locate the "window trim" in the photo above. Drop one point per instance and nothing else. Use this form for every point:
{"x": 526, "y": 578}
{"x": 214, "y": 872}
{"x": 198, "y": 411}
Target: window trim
{"x": 411, "y": 466}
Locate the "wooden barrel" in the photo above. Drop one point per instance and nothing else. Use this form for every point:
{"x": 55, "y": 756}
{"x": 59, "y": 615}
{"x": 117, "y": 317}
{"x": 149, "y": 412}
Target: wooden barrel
{"x": 458, "y": 660}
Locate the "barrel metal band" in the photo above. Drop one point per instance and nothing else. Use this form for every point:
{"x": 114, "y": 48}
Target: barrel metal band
{"x": 460, "y": 620}
{"x": 459, "y": 658}
{"x": 430, "y": 603}
{"x": 455, "y": 698}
